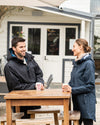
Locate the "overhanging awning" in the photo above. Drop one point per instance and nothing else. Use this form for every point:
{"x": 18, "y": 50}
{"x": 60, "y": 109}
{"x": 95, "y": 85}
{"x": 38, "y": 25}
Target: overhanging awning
{"x": 43, "y": 6}
{"x": 53, "y": 2}
{"x": 31, "y": 2}
{"x": 65, "y": 12}
{"x": 6, "y": 5}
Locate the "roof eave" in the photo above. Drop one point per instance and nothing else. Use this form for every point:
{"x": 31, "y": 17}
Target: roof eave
{"x": 63, "y": 12}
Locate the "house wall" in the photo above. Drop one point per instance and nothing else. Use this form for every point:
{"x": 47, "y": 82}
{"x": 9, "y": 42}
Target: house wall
{"x": 97, "y": 43}
{"x": 27, "y": 15}
{"x": 30, "y": 15}
{"x": 80, "y": 5}
{"x": 97, "y": 27}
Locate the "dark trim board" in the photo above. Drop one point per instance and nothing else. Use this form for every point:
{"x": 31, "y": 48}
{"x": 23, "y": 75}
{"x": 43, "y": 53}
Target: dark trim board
{"x": 37, "y": 23}
{"x": 63, "y": 67}
{"x": 68, "y": 11}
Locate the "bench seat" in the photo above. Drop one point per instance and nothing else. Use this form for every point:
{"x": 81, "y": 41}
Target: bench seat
{"x": 14, "y": 117}
{"x": 43, "y": 110}
{"x": 73, "y": 116}
{"x": 36, "y": 121}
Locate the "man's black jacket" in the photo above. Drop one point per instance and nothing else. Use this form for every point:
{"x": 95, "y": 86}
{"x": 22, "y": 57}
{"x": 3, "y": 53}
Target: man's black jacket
{"x": 21, "y": 76}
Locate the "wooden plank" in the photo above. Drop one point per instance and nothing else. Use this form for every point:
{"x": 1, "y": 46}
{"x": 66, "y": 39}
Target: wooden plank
{"x": 56, "y": 118}
{"x": 97, "y": 83}
{"x": 66, "y": 112}
{"x": 33, "y": 94}
{"x": 3, "y": 93}
{"x": 9, "y": 112}
{"x": 17, "y": 108}
{"x": 33, "y": 97}
{"x": 43, "y": 110}
{"x": 37, "y": 121}
{"x": 73, "y": 115}
{"x": 14, "y": 116}
{"x": 36, "y": 102}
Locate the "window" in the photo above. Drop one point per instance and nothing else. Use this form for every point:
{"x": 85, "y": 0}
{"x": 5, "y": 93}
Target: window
{"x": 34, "y": 40}
{"x": 70, "y": 38}
{"x": 52, "y": 41}
{"x": 17, "y": 31}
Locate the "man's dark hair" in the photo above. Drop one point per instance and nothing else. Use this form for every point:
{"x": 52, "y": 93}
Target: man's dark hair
{"x": 15, "y": 40}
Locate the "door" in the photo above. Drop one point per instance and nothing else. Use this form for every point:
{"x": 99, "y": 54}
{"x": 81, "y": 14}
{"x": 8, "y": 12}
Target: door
{"x": 52, "y": 62}
{"x": 44, "y": 44}
{"x": 49, "y": 44}
{"x": 59, "y": 43}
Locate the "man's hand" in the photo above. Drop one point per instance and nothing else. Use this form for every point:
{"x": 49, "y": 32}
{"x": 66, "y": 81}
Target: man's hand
{"x": 39, "y": 86}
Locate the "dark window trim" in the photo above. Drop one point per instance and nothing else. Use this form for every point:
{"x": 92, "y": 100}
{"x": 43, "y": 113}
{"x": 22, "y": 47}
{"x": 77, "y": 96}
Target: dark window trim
{"x": 37, "y": 23}
{"x": 63, "y": 67}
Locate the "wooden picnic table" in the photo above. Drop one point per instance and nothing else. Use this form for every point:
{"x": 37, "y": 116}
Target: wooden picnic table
{"x": 97, "y": 83}
{"x": 34, "y": 97}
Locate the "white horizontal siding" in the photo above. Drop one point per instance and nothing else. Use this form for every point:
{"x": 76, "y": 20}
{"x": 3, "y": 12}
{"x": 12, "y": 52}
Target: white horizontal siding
{"x": 97, "y": 27}
{"x": 80, "y": 5}
{"x": 26, "y": 16}
{"x": 3, "y": 38}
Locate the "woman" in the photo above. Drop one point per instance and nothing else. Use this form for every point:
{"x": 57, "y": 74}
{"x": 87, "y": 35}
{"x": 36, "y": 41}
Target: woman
{"x": 82, "y": 83}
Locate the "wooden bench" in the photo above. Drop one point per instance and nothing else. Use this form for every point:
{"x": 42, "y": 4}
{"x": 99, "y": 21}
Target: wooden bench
{"x": 3, "y": 94}
{"x": 73, "y": 116}
{"x": 37, "y": 121}
{"x": 43, "y": 110}
{"x": 14, "y": 117}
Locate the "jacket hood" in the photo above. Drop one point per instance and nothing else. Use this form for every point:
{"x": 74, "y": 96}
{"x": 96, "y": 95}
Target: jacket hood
{"x": 84, "y": 58}
{"x": 12, "y": 56}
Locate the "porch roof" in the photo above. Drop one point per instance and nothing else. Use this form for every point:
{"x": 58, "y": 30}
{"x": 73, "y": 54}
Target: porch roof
{"x": 6, "y": 5}
{"x": 47, "y": 6}
{"x": 31, "y": 2}
{"x": 66, "y": 12}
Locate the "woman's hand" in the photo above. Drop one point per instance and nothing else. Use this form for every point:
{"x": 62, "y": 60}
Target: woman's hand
{"x": 66, "y": 88}
{"x": 42, "y": 87}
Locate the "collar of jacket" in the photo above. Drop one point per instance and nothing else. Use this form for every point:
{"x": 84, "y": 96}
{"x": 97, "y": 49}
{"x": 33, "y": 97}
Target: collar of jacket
{"x": 84, "y": 58}
{"x": 12, "y": 56}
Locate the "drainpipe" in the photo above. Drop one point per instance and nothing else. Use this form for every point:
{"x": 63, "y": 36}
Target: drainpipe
{"x": 92, "y": 35}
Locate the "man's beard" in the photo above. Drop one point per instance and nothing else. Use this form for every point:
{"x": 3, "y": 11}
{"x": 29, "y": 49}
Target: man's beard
{"x": 20, "y": 55}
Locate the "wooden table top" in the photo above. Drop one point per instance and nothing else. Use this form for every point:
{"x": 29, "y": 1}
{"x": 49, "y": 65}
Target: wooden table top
{"x": 34, "y": 94}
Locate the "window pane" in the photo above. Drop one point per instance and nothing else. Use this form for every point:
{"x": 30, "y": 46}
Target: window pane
{"x": 52, "y": 41}
{"x": 70, "y": 36}
{"x": 17, "y": 31}
{"x": 34, "y": 40}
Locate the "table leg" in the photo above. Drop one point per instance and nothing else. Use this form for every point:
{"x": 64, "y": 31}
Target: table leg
{"x": 9, "y": 112}
{"x": 56, "y": 119}
{"x": 17, "y": 108}
{"x": 66, "y": 111}
{"x": 32, "y": 116}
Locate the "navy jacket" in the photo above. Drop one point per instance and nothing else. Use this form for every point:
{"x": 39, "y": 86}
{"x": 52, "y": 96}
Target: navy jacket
{"x": 83, "y": 87}
{"x": 20, "y": 76}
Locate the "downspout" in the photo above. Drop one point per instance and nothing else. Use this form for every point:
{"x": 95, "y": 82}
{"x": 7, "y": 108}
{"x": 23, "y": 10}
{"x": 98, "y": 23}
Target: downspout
{"x": 92, "y": 35}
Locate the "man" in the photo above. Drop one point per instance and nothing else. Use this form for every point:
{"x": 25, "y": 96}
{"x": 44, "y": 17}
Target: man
{"x": 21, "y": 71}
